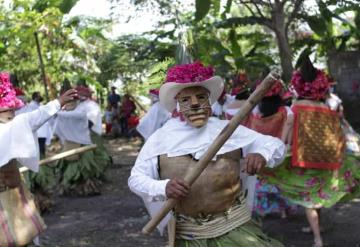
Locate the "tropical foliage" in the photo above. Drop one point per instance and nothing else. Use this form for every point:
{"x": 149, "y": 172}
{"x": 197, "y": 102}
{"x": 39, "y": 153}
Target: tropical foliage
{"x": 234, "y": 36}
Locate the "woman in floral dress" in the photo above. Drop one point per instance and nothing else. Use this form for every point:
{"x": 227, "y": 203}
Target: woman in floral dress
{"x": 318, "y": 174}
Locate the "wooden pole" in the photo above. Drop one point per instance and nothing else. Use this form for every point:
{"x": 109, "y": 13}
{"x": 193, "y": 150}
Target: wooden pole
{"x": 42, "y": 67}
{"x": 220, "y": 140}
{"x": 62, "y": 155}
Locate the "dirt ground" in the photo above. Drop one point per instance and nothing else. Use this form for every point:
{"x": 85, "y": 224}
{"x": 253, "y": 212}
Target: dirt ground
{"x": 115, "y": 218}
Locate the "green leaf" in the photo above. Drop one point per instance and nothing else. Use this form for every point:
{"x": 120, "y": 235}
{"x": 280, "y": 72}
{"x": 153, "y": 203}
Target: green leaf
{"x": 202, "y": 8}
{"x": 318, "y": 25}
{"x": 324, "y": 11}
{"x": 67, "y": 5}
{"x": 235, "y": 47}
{"x": 216, "y": 6}
{"x": 238, "y": 21}
{"x": 227, "y": 9}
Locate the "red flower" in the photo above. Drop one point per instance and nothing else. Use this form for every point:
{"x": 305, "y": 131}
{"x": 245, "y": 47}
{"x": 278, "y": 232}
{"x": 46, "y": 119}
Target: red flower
{"x": 276, "y": 89}
{"x": 315, "y": 90}
{"x": 185, "y": 73}
{"x": 7, "y": 93}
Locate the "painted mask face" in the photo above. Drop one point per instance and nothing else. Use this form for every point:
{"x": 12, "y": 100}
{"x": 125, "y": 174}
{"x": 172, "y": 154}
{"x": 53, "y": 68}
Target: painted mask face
{"x": 194, "y": 105}
{"x": 6, "y": 115}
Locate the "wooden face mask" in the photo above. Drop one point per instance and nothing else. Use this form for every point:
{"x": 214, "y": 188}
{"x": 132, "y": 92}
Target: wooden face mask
{"x": 194, "y": 105}
{"x": 6, "y": 115}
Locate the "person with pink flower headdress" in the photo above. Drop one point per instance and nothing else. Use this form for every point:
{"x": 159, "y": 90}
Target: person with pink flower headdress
{"x": 318, "y": 174}
{"x": 154, "y": 118}
{"x": 240, "y": 92}
{"x": 213, "y": 212}
{"x": 19, "y": 219}
{"x": 270, "y": 117}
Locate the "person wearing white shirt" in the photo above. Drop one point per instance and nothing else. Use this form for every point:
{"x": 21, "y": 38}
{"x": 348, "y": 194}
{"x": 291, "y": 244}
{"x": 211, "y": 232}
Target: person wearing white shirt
{"x": 19, "y": 217}
{"x": 155, "y": 118}
{"x": 220, "y": 106}
{"x": 216, "y": 198}
{"x": 77, "y": 127}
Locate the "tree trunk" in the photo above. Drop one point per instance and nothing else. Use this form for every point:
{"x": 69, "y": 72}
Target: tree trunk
{"x": 279, "y": 27}
{"x": 285, "y": 55}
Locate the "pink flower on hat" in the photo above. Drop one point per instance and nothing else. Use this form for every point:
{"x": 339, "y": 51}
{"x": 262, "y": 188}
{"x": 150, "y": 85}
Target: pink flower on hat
{"x": 315, "y": 90}
{"x": 8, "y": 98}
{"x": 185, "y": 73}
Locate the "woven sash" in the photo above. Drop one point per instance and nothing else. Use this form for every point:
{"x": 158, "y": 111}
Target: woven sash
{"x": 318, "y": 139}
{"x": 212, "y": 226}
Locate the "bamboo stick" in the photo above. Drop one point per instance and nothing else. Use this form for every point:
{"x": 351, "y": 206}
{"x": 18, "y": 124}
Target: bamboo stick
{"x": 62, "y": 155}
{"x": 224, "y": 135}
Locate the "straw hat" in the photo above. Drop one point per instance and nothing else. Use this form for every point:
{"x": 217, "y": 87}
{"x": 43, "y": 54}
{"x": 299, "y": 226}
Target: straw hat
{"x": 189, "y": 75}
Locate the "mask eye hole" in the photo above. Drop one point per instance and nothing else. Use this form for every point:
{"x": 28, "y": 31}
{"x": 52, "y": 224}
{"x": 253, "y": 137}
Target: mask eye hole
{"x": 184, "y": 100}
{"x": 202, "y": 97}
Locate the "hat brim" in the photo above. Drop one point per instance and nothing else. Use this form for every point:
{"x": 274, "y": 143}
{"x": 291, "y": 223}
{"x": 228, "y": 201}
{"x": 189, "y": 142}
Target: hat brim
{"x": 169, "y": 90}
{"x": 4, "y": 109}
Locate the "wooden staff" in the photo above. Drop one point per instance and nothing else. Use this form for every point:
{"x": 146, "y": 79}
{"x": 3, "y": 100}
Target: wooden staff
{"x": 220, "y": 140}
{"x": 62, "y": 155}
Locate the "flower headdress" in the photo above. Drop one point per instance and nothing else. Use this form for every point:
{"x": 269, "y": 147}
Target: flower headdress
{"x": 309, "y": 82}
{"x": 189, "y": 75}
{"x": 241, "y": 84}
{"x": 193, "y": 72}
{"x": 237, "y": 90}
{"x": 8, "y": 98}
{"x": 276, "y": 89}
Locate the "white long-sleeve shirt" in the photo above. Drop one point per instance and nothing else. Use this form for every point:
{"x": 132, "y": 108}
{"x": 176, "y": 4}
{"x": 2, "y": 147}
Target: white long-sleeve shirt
{"x": 18, "y": 139}
{"x": 153, "y": 120}
{"x": 73, "y": 126}
{"x": 46, "y": 130}
{"x": 177, "y": 138}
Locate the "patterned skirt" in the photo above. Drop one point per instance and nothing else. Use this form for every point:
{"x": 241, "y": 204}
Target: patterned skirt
{"x": 316, "y": 188}
{"x": 20, "y": 221}
{"x": 268, "y": 200}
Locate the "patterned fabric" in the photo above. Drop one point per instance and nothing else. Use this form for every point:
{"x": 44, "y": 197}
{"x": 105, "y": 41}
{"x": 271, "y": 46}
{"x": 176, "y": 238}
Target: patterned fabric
{"x": 246, "y": 235}
{"x": 20, "y": 221}
{"x": 318, "y": 139}
{"x": 268, "y": 200}
{"x": 315, "y": 188}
